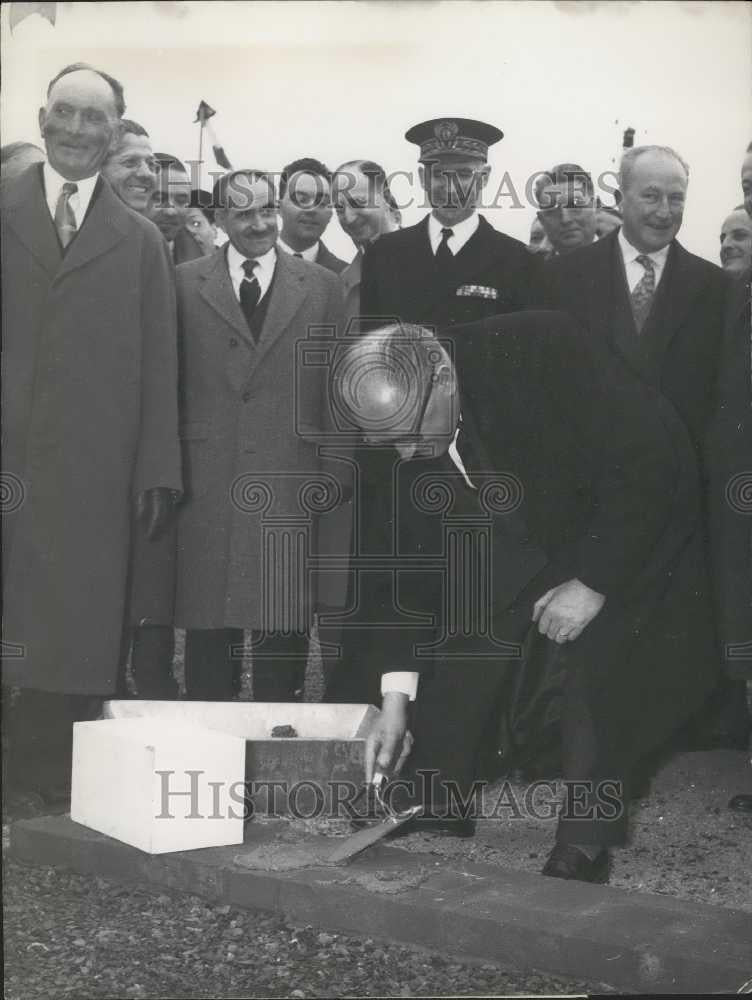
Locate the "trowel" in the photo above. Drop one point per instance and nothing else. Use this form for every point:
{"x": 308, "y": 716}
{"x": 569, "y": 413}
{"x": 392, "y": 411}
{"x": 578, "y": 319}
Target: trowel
{"x": 392, "y": 821}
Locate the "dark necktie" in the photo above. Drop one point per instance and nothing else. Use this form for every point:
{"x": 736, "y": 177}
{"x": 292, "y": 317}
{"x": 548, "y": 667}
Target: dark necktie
{"x": 643, "y": 292}
{"x": 444, "y": 255}
{"x": 250, "y": 293}
{"x": 298, "y": 255}
{"x": 65, "y": 220}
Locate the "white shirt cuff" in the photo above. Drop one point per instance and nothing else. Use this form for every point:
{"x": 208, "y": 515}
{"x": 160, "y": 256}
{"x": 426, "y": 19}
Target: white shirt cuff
{"x": 402, "y": 681}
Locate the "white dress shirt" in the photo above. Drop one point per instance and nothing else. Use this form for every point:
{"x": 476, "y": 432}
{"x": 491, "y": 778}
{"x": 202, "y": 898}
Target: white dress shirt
{"x": 461, "y": 232}
{"x": 635, "y": 271}
{"x": 310, "y": 254}
{"x": 79, "y": 202}
{"x": 263, "y": 272}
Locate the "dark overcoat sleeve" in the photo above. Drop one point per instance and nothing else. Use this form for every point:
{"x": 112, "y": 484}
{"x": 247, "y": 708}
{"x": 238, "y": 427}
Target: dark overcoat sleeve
{"x": 158, "y": 455}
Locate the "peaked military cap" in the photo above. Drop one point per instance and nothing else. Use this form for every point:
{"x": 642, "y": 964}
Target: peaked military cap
{"x": 462, "y": 136}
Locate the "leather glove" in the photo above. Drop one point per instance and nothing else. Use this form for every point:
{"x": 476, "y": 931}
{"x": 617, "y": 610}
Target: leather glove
{"x": 154, "y": 510}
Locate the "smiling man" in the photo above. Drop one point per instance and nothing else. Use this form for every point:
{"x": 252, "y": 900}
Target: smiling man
{"x": 89, "y": 419}
{"x": 242, "y": 311}
{"x": 657, "y": 305}
{"x": 736, "y": 242}
{"x": 131, "y": 168}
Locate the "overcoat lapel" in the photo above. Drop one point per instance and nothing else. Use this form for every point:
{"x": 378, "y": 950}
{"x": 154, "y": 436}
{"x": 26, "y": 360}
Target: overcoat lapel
{"x": 27, "y": 214}
{"x": 676, "y": 293}
{"x": 105, "y": 225}
{"x": 288, "y": 292}
{"x": 215, "y": 287}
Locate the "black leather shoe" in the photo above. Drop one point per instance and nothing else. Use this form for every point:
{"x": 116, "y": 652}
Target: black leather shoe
{"x": 741, "y": 803}
{"x": 565, "y": 861}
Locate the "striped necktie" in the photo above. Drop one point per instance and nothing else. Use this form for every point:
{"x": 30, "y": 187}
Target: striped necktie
{"x": 65, "y": 220}
{"x": 643, "y": 292}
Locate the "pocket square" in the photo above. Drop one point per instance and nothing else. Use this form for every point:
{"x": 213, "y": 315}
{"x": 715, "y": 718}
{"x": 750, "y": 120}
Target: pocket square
{"x": 478, "y": 292}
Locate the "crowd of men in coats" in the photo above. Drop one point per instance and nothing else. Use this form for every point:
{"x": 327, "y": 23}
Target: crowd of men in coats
{"x": 214, "y": 424}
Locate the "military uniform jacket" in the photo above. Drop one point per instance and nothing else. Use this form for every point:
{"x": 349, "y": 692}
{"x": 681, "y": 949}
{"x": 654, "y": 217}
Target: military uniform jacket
{"x": 492, "y": 274}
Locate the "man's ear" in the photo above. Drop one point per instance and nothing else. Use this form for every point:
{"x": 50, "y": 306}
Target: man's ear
{"x": 117, "y": 135}
{"x": 42, "y": 119}
{"x": 485, "y": 173}
{"x": 422, "y": 176}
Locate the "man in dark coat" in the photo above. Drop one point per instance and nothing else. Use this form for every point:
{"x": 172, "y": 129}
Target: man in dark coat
{"x": 248, "y": 523}
{"x": 659, "y": 306}
{"x": 590, "y": 484}
{"x": 452, "y": 267}
{"x": 729, "y": 465}
{"x": 89, "y": 416}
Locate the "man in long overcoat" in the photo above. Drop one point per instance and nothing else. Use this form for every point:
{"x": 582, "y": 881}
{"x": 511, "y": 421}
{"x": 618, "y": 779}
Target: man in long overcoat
{"x": 588, "y": 483}
{"x": 247, "y": 530}
{"x": 89, "y": 412}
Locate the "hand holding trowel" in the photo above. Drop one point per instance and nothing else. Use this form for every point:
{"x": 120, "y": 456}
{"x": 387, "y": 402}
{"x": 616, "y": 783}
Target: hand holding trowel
{"x": 389, "y": 738}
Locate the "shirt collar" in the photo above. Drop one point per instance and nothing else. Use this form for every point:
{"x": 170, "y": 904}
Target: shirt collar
{"x": 53, "y": 184}
{"x": 461, "y": 231}
{"x": 235, "y": 261}
{"x": 310, "y": 253}
{"x": 631, "y": 253}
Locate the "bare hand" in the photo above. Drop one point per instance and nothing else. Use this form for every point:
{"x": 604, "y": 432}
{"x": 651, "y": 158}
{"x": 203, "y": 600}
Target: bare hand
{"x": 389, "y": 741}
{"x": 562, "y": 613}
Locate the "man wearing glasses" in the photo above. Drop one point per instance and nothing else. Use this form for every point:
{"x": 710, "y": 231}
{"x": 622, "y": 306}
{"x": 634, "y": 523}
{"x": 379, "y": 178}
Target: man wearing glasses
{"x": 567, "y": 207}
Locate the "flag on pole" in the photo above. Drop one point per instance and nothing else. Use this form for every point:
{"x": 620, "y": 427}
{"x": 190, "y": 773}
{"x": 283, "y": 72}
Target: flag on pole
{"x": 203, "y": 114}
{"x": 20, "y": 11}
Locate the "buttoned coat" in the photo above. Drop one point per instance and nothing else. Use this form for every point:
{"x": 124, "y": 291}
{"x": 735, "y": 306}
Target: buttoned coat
{"x": 678, "y": 349}
{"x": 492, "y": 273}
{"x": 253, "y": 471}
{"x": 89, "y": 422}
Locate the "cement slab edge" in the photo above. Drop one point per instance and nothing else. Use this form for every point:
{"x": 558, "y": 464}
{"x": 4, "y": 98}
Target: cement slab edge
{"x": 633, "y": 942}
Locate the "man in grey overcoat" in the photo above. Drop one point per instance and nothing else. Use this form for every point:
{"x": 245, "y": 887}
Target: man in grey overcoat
{"x": 90, "y": 426}
{"x": 254, "y": 483}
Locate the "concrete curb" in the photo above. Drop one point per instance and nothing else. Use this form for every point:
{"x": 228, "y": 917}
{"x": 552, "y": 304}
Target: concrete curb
{"x": 633, "y": 942}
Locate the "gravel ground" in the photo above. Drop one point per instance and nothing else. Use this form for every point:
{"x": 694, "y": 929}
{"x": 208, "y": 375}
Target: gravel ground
{"x": 684, "y": 840}
{"x": 75, "y": 937}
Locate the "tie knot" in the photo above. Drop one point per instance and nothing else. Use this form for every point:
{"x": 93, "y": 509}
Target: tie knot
{"x": 69, "y": 188}
{"x": 248, "y": 266}
{"x": 446, "y": 233}
{"x": 646, "y": 262}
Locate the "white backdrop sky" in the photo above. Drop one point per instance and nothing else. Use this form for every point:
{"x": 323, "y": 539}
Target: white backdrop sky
{"x": 339, "y": 80}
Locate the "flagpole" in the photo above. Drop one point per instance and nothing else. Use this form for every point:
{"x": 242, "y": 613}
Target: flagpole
{"x": 200, "y": 150}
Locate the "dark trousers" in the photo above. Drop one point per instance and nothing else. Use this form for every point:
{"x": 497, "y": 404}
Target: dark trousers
{"x": 152, "y": 648}
{"x": 455, "y": 704}
{"x": 38, "y": 739}
{"x": 214, "y": 662}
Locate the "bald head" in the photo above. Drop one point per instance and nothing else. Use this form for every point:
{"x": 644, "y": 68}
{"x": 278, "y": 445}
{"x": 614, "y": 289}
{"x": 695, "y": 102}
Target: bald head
{"x": 80, "y": 122}
{"x": 398, "y": 386}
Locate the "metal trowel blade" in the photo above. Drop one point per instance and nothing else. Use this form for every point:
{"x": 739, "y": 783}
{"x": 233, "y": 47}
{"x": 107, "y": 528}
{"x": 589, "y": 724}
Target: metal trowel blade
{"x": 371, "y": 835}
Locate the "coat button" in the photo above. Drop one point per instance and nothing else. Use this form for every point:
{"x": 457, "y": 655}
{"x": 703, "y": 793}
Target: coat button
{"x": 233, "y": 342}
